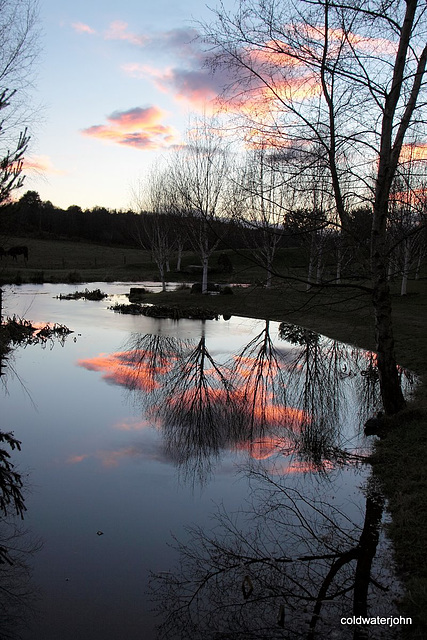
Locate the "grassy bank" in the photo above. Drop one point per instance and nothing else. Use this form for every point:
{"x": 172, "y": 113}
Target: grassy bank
{"x": 65, "y": 261}
{"x": 344, "y": 314}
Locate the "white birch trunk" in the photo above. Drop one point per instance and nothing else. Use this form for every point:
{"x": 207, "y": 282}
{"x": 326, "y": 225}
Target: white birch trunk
{"x": 179, "y": 258}
{"x": 205, "y": 261}
{"x": 406, "y": 261}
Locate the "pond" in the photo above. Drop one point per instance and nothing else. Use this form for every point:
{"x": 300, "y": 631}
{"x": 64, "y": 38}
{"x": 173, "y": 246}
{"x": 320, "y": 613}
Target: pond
{"x": 241, "y": 438}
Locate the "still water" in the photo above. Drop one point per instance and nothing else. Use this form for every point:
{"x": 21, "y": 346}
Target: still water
{"x": 242, "y": 438}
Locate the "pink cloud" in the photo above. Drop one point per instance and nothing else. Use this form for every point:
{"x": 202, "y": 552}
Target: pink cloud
{"x": 118, "y": 30}
{"x": 80, "y": 27}
{"x": 77, "y": 459}
{"x": 355, "y": 40}
{"x": 193, "y": 81}
{"x": 190, "y": 80}
{"x": 412, "y": 152}
{"x": 110, "y": 459}
{"x": 140, "y": 127}
{"x": 196, "y": 86}
{"x": 40, "y": 164}
{"x": 132, "y": 424}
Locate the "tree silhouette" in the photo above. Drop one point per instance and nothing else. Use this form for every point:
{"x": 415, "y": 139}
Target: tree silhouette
{"x": 313, "y": 77}
{"x": 288, "y": 567}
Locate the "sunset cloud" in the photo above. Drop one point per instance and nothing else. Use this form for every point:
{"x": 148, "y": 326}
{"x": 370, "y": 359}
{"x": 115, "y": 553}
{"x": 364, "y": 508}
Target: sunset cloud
{"x": 189, "y": 79}
{"x": 77, "y": 459}
{"x": 118, "y": 30}
{"x": 140, "y": 127}
{"x": 132, "y": 424}
{"x": 40, "y": 164}
{"x": 127, "y": 368}
{"x": 148, "y": 450}
{"x": 357, "y": 41}
{"x": 414, "y": 152}
{"x": 193, "y": 86}
{"x": 193, "y": 80}
{"x": 80, "y": 27}
{"x": 296, "y": 467}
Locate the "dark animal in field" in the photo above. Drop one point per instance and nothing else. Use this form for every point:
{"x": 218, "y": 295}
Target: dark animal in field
{"x": 224, "y": 263}
{"x": 18, "y": 251}
{"x": 2, "y": 253}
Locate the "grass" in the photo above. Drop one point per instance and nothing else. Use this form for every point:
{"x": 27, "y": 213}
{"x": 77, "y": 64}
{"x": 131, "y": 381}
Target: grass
{"x": 60, "y": 261}
{"x": 398, "y": 460}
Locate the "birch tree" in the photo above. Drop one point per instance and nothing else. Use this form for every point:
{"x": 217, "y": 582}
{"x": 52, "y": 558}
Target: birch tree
{"x": 199, "y": 178}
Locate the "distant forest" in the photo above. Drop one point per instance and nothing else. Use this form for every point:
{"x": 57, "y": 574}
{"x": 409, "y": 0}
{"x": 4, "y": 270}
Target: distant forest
{"x": 32, "y": 217}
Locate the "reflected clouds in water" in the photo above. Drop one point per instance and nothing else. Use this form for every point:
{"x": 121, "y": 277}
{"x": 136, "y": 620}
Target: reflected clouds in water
{"x": 295, "y": 395}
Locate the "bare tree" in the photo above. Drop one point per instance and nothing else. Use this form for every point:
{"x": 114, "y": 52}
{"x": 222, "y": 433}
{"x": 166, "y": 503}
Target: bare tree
{"x": 263, "y": 207}
{"x": 346, "y": 77}
{"x": 199, "y": 178}
{"x": 153, "y": 226}
{"x": 18, "y": 51}
{"x": 17, "y": 54}
{"x": 407, "y": 225}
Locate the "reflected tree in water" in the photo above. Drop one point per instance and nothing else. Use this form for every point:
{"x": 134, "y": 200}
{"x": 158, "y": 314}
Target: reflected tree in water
{"x": 195, "y": 408}
{"x": 18, "y": 595}
{"x": 289, "y": 567}
{"x": 17, "y": 545}
{"x": 317, "y": 369}
{"x": 185, "y": 391}
{"x": 11, "y": 496}
{"x": 295, "y": 399}
{"x": 334, "y": 383}
{"x": 148, "y": 358}
{"x": 260, "y": 386}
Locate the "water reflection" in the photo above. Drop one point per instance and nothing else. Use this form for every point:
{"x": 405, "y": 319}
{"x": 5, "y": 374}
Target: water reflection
{"x": 18, "y": 594}
{"x": 296, "y": 560}
{"x": 299, "y": 396}
{"x": 195, "y": 409}
{"x": 289, "y": 567}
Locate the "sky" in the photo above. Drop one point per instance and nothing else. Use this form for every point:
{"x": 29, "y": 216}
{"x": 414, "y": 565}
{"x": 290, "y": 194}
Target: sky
{"x": 116, "y": 85}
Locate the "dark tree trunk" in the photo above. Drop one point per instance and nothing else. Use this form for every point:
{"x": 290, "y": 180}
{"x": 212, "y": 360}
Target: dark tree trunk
{"x": 390, "y": 386}
{"x": 366, "y": 551}
{"x": 389, "y": 152}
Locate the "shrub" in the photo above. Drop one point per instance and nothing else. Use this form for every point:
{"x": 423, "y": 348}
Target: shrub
{"x": 226, "y": 291}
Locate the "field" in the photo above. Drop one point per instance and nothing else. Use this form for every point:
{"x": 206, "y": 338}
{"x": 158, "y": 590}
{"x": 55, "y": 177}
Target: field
{"x": 55, "y": 260}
